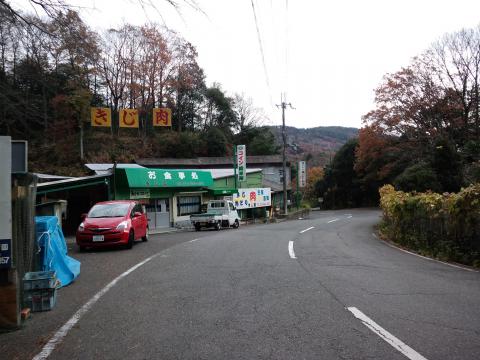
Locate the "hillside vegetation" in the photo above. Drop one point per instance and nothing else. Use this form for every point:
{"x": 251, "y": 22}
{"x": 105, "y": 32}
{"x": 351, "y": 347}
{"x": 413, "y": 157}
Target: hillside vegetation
{"x": 318, "y": 144}
{"x": 423, "y": 133}
{"x": 53, "y": 72}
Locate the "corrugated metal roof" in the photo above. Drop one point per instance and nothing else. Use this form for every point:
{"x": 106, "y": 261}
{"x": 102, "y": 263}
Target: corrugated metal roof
{"x": 69, "y": 181}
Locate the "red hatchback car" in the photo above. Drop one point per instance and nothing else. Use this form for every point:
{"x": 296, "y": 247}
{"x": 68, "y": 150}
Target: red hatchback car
{"x": 117, "y": 222}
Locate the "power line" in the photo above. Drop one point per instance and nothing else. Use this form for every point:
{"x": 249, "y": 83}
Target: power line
{"x": 262, "y": 53}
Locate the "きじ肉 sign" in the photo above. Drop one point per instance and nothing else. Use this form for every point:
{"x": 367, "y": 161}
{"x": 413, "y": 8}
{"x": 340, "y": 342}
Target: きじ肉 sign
{"x": 242, "y": 162}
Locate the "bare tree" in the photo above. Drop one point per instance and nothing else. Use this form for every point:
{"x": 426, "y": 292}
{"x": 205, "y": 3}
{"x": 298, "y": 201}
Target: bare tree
{"x": 455, "y": 60}
{"x": 247, "y": 114}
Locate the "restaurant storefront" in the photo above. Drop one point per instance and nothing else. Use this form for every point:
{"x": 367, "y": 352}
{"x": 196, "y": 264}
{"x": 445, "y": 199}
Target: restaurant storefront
{"x": 170, "y": 196}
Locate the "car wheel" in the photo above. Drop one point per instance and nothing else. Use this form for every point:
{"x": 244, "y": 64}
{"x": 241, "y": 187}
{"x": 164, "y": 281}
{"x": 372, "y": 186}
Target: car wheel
{"x": 82, "y": 248}
{"x": 236, "y": 224}
{"x": 131, "y": 239}
{"x": 217, "y": 226}
{"x": 145, "y": 238}
{"x": 197, "y": 227}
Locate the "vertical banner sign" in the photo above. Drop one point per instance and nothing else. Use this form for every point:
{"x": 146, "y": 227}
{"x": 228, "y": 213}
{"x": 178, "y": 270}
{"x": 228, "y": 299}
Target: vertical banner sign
{"x": 101, "y": 116}
{"x": 302, "y": 174}
{"x": 242, "y": 162}
{"x": 128, "y": 118}
{"x": 162, "y": 117}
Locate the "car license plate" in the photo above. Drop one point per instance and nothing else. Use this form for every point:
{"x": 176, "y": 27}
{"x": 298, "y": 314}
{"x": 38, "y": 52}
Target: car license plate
{"x": 97, "y": 238}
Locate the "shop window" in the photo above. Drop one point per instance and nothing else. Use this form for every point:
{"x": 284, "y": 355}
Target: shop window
{"x": 187, "y": 205}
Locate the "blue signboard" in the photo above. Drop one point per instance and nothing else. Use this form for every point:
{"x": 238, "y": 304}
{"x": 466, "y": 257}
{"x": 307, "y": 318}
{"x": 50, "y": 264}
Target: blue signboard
{"x": 5, "y": 253}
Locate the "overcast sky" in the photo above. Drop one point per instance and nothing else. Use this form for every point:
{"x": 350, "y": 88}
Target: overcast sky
{"x": 327, "y": 56}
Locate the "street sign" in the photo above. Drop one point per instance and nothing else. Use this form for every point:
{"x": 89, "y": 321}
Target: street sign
{"x": 242, "y": 162}
{"x": 302, "y": 174}
{"x": 19, "y": 156}
{"x": 5, "y": 253}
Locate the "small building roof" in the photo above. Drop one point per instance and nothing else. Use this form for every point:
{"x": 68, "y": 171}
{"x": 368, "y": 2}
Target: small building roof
{"x": 106, "y": 168}
{"x": 66, "y": 184}
{"x": 49, "y": 177}
{"x": 275, "y": 186}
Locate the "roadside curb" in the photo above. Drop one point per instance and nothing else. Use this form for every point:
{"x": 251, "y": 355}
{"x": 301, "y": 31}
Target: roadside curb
{"x": 411, "y": 252}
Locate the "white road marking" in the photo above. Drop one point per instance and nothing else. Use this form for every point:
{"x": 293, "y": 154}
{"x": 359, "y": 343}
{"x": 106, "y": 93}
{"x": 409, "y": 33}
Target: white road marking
{"x": 385, "y": 335}
{"x": 375, "y": 235}
{"x": 310, "y": 228}
{"x": 290, "y": 250}
{"x": 328, "y": 222}
{"x": 349, "y": 216}
{"x": 191, "y": 241}
{"x": 63, "y": 331}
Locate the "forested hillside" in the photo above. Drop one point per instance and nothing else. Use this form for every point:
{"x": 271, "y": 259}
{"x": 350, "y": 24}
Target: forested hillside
{"x": 53, "y": 71}
{"x": 318, "y": 144}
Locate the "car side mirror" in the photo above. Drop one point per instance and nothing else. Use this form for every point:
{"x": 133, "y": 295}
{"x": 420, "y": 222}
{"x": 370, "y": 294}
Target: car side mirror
{"x": 83, "y": 216}
{"x": 137, "y": 214}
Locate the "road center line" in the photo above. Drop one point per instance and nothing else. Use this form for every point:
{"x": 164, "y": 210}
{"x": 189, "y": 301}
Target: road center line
{"x": 328, "y": 222}
{"x": 310, "y": 228}
{"x": 385, "y": 335}
{"x": 290, "y": 250}
{"x": 63, "y": 331}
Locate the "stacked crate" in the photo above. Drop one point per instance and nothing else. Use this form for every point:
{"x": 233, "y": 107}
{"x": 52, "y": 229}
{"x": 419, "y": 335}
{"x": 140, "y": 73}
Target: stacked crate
{"x": 40, "y": 290}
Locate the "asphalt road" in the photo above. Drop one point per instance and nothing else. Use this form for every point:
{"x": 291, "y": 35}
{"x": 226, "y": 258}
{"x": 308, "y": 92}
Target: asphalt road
{"x": 276, "y": 291}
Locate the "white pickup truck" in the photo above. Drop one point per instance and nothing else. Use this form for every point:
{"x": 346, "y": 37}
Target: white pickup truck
{"x": 220, "y": 213}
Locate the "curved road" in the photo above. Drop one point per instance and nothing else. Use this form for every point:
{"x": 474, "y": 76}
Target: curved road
{"x": 320, "y": 288}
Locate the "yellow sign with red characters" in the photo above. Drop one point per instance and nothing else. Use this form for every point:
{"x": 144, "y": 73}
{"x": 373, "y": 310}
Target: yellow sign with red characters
{"x": 162, "y": 117}
{"x": 101, "y": 116}
{"x": 128, "y": 118}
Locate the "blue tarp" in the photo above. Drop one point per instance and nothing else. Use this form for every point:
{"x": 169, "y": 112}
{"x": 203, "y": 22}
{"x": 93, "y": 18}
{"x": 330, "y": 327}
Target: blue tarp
{"x": 53, "y": 250}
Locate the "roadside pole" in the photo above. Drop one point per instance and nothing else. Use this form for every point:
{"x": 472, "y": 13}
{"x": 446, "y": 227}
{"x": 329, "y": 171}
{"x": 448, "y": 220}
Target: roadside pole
{"x": 297, "y": 193}
{"x": 284, "y": 105}
{"x": 9, "y": 282}
{"x": 235, "y": 166}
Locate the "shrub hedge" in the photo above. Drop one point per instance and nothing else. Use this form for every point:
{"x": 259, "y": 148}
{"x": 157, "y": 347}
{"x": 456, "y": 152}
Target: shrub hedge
{"x": 445, "y": 226}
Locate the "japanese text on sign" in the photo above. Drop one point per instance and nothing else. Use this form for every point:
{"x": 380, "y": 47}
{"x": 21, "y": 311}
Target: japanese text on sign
{"x": 302, "y": 174}
{"x": 128, "y": 118}
{"x": 252, "y": 198}
{"x": 162, "y": 117}
{"x": 100, "y": 116}
{"x": 242, "y": 162}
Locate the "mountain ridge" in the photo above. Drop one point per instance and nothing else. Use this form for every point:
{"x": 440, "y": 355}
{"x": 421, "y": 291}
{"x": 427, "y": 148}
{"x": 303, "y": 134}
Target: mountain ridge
{"x": 317, "y": 144}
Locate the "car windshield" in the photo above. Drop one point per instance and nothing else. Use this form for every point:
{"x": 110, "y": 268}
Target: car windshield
{"x": 109, "y": 210}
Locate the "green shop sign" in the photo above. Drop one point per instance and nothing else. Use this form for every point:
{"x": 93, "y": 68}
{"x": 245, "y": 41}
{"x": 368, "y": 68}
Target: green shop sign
{"x": 152, "y": 178}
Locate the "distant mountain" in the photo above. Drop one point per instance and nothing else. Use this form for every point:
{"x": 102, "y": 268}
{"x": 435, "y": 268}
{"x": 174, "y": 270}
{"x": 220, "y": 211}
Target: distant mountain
{"x": 320, "y": 142}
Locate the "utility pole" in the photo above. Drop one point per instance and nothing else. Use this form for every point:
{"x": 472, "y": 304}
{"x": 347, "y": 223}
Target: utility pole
{"x": 81, "y": 141}
{"x": 284, "y": 105}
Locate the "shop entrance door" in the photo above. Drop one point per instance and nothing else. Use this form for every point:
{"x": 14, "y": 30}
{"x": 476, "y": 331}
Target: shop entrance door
{"x": 163, "y": 213}
{"x": 158, "y": 213}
